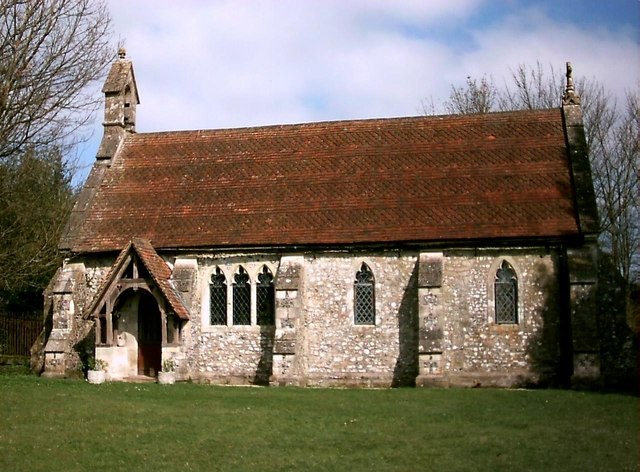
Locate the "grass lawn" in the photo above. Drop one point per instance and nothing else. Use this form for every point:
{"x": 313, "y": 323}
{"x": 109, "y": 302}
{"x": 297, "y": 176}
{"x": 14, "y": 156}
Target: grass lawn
{"x": 69, "y": 425}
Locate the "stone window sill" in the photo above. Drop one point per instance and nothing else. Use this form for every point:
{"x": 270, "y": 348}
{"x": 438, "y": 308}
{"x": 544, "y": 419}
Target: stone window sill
{"x": 505, "y": 328}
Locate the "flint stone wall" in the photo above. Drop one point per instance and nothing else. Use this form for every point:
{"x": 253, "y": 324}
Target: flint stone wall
{"x": 468, "y": 347}
{"x": 434, "y": 320}
{"x": 441, "y": 335}
{"x": 227, "y": 354}
{"x": 340, "y": 352}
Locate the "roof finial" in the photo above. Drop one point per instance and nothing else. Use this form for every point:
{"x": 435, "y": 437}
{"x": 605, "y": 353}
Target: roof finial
{"x": 570, "y": 96}
{"x": 122, "y": 53}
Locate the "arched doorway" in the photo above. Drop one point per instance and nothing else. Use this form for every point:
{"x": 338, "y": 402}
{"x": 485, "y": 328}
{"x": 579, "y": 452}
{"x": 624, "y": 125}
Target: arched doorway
{"x": 149, "y": 335}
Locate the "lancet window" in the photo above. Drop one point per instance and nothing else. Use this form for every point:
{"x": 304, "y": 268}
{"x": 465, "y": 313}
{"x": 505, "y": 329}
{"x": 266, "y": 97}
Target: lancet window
{"x": 218, "y": 298}
{"x": 265, "y": 295}
{"x": 506, "y": 294}
{"x": 364, "y": 297}
{"x": 241, "y": 298}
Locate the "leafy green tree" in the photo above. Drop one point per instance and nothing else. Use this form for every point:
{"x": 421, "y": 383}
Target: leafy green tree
{"x": 36, "y": 197}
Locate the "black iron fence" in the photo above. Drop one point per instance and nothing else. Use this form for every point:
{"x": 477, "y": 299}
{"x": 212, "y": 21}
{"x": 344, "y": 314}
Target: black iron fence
{"x": 18, "y": 332}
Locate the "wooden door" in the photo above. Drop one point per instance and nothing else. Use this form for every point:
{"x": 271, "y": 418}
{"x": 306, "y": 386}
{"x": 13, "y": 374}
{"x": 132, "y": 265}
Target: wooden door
{"x": 149, "y": 336}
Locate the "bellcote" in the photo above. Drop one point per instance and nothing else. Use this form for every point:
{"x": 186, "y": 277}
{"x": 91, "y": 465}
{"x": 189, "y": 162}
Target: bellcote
{"x": 121, "y": 98}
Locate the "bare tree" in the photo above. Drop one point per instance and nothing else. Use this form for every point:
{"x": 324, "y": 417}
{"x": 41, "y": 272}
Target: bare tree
{"x": 474, "y": 97}
{"x": 51, "y": 52}
{"x": 532, "y": 88}
{"x": 613, "y": 136}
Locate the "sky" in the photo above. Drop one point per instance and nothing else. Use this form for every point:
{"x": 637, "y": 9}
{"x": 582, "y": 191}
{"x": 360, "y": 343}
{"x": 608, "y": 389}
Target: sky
{"x": 234, "y": 63}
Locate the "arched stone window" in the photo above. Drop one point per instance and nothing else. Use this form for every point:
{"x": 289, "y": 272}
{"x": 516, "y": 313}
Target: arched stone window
{"x": 265, "y": 294}
{"x": 218, "y": 298}
{"x": 506, "y": 294}
{"x": 241, "y": 298}
{"x": 364, "y": 297}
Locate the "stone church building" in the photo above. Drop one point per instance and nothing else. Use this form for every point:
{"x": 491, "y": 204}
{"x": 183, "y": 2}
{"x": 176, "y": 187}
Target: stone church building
{"x": 438, "y": 250}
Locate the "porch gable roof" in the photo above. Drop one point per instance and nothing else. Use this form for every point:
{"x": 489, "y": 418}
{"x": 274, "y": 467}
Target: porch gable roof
{"x": 157, "y": 268}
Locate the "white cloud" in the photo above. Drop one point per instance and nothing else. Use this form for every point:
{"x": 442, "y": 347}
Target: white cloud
{"x": 611, "y": 57}
{"x": 218, "y": 64}
{"x": 241, "y": 63}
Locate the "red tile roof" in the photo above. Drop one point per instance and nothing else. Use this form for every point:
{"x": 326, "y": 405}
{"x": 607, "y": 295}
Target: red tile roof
{"x": 421, "y": 179}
